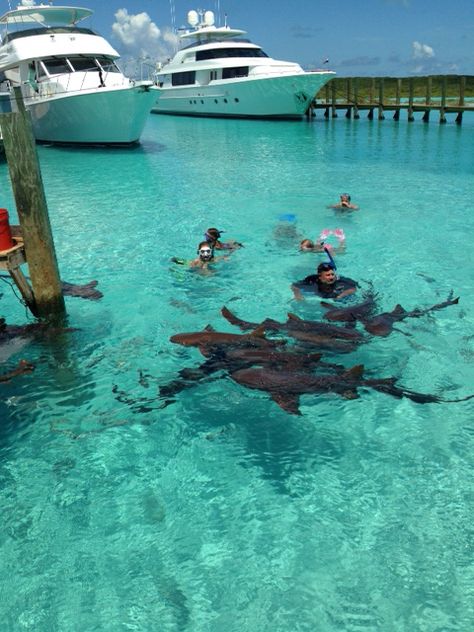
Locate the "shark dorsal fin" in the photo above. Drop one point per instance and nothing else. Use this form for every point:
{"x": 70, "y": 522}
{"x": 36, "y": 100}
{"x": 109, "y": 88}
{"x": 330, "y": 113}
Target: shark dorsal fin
{"x": 259, "y": 332}
{"x": 398, "y": 309}
{"x": 356, "y": 371}
{"x": 209, "y": 328}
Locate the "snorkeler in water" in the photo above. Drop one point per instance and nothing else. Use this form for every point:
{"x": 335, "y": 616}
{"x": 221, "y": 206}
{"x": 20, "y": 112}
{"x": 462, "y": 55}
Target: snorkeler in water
{"x": 212, "y": 236}
{"x": 345, "y": 203}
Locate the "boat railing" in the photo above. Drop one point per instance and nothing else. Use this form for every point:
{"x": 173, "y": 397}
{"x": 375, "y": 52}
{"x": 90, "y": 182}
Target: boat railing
{"x": 66, "y": 83}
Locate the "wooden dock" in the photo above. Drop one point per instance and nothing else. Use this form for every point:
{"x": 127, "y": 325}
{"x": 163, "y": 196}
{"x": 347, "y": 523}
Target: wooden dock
{"x": 381, "y": 95}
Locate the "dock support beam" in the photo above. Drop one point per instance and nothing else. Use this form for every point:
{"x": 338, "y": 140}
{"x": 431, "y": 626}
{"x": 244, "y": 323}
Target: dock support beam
{"x": 442, "y": 115}
{"x": 27, "y": 184}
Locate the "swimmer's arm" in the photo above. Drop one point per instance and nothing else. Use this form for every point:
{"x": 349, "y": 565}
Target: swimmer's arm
{"x": 348, "y": 292}
{"x": 297, "y": 293}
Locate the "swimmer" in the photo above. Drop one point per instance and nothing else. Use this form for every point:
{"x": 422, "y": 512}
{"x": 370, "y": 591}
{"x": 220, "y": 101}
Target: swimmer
{"x": 345, "y": 203}
{"x": 322, "y": 244}
{"x": 212, "y": 236}
{"x": 202, "y": 261}
{"x": 324, "y": 283}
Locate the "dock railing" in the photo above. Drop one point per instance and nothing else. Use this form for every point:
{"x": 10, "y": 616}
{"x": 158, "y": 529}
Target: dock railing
{"x": 439, "y": 93}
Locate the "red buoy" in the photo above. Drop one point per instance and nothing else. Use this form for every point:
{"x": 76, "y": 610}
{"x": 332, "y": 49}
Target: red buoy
{"x": 6, "y": 241}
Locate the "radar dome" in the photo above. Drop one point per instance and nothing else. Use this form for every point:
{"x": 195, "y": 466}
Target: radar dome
{"x": 193, "y": 18}
{"x": 209, "y": 18}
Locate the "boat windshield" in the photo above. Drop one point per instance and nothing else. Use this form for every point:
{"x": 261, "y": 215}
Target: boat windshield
{"x": 222, "y": 53}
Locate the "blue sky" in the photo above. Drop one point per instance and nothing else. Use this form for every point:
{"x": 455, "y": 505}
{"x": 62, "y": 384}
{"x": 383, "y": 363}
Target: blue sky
{"x": 359, "y": 37}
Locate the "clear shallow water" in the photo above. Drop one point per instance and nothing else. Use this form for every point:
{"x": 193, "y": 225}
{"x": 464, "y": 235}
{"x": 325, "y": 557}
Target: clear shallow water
{"x": 221, "y": 512}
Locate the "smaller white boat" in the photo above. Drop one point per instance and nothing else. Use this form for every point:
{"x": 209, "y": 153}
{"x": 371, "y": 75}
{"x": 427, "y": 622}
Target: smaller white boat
{"x": 69, "y": 79}
{"x": 221, "y": 74}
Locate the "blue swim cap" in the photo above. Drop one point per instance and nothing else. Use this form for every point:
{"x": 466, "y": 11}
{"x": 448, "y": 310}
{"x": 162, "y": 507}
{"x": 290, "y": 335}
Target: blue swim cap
{"x": 287, "y": 217}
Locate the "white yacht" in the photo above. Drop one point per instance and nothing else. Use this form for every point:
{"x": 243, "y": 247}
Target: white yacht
{"x": 69, "y": 80}
{"x": 221, "y": 74}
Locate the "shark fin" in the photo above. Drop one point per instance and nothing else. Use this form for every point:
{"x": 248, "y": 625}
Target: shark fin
{"x": 292, "y": 316}
{"x": 209, "y": 328}
{"x": 288, "y": 402}
{"x": 398, "y": 309}
{"x": 259, "y": 332}
{"x": 355, "y": 372}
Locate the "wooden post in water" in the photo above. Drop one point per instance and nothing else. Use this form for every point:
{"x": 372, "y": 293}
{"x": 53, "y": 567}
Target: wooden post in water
{"x": 356, "y": 99}
{"x": 349, "y": 97}
{"x": 333, "y": 99}
{"x": 370, "y": 115}
{"x": 326, "y": 90}
{"x": 462, "y": 89}
{"x": 426, "y": 115}
{"x": 381, "y": 86}
{"x": 444, "y": 85}
{"x": 410, "y": 99}
{"x": 398, "y": 89}
{"x": 27, "y": 184}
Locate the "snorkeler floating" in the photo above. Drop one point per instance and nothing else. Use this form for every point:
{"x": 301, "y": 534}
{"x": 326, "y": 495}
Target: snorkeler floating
{"x": 322, "y": 244}
{"x": 345, "y": 203}
{"x": 212, "y": 236}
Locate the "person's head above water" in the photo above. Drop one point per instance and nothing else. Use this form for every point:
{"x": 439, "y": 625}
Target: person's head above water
{"x": 326, "y": 273}
{"x": 306, "y": 244}
{"x": 212, "y": 234}
{"x": 205, "y": 251}
{"x": 345, "y": 197}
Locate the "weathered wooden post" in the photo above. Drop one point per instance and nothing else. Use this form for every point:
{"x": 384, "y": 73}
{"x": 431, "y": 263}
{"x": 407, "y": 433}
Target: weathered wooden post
{"x": 333, "y": 99}
{"x": 326, "y": 111}
{"x": 349, "y": 97}
{"x": 398, "y": 89}
{"x": 27, "y": 184}
{"x": 381, "y": 86}
{"x": 356, "y": 99}
{"x": 462, "y": 89}
{"x": 444, "y": 85}
{"x": 370, "y": 115}
{"x": 410, "y": 99}
{"x": 426, "y": 115}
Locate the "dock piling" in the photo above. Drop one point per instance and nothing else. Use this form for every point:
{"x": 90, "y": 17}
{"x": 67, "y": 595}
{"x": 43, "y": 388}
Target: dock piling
{"x": 30, "y": 199}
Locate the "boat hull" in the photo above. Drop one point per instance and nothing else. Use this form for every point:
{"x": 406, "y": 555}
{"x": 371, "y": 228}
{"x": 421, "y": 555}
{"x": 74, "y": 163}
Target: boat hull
{"x": 114, "y": 116}
{"x": 283, "y": 97}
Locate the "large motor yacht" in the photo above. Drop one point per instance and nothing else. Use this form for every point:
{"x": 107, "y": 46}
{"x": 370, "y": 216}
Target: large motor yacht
{"x": 221, "y": 74}
{"x": 69, "y": 80}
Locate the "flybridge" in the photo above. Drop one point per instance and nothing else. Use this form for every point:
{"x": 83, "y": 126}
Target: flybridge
{"x": 45, "y": 15}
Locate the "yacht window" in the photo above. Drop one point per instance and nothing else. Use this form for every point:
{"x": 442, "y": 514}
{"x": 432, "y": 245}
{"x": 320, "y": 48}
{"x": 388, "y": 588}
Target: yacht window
{"x": 230, "y": 73}
{"x": 183, "y": 78}
{"x": 108, "y": 65}
{"x": 220, "y": 53}
{"x": 83, "y": 63}
{"x": 57, "y": 66}
{"x": 41, "y": 70}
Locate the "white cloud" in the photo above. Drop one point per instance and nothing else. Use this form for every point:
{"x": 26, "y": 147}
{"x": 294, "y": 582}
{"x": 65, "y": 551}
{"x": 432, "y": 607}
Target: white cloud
{"x": 141, "y": 37}
{"x": 27, "y": 3}
{"x": 422, "y": 51}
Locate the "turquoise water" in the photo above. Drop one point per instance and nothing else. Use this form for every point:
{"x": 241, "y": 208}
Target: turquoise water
{"x": 221, "y": 512}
